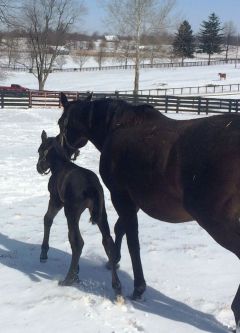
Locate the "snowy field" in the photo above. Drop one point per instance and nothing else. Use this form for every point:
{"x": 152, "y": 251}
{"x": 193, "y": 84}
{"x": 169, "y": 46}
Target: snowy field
{"x": 123, "y": 79}
{"x": 191, "y": 279}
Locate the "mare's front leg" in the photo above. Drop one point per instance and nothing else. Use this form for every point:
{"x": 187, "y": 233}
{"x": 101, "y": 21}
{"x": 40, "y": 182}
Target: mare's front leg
{"x": 128, "y": 222}
{"x": 76, "y": 241}
{"x": 54, "y": 206}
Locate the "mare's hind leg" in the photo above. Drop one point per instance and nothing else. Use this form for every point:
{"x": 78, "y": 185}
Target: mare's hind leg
{"x": 76, "y": 241}
{"x": 236, "y": 309}
{"x": 127, "y": 212}
{"x": 226, "y": 232}
{"x": 54, "y": 206}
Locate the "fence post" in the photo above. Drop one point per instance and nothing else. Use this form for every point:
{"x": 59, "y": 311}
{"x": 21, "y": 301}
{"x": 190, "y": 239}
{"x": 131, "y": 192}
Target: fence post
{"x": 2, "y": 99}
{"x": 178, "y": 102}
{"x": 230, "y": 105}
{"x": 199, "y": 104}
{"x": 117, "y": 94}
{"x": 166, "y": 104}
{"x": 29, "y": 99}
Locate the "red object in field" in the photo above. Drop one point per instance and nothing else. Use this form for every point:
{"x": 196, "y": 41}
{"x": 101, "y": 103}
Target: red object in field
{"x": 14, "y": 87}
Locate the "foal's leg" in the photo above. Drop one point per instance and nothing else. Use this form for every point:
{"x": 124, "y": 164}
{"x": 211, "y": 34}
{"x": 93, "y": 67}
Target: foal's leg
{"x": 54, "y": 206}
{"x": 127, "y": 212}
{"x": 110, "y": 250}
{"x": 76, "y": 241}
{"x": 119, "y": 231}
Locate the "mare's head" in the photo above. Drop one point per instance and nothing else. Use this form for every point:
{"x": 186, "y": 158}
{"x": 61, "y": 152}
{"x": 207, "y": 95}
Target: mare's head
{"x": 74, "y": 122}
{"x": 49, "y": 151}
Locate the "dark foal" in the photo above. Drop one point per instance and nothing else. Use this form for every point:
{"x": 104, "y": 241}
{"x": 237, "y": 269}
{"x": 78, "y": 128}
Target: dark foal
{"x": 75, "y": 189}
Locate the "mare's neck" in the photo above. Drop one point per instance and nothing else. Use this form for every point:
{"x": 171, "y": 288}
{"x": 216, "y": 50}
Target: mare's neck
{"x": 100, "y": 123}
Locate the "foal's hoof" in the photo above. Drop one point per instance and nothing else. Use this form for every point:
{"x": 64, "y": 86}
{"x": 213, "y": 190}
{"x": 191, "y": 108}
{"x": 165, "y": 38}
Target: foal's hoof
{"x": 138, "y": 292}
{"x": 69, "y": 281}
{"x": 109, "y": 266}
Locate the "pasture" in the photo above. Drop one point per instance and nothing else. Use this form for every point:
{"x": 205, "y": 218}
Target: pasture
{"x": 191, "y": 280}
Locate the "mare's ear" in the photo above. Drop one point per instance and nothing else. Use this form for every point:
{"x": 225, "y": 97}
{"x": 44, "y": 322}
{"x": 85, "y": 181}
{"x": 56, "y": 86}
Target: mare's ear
{"x": 89, "y": 97}
{"x": 64, "y": 100}
{"x": 44, "y": 136}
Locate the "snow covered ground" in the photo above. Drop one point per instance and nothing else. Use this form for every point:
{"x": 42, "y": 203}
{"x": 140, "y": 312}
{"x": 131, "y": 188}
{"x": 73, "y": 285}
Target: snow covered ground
{"x": 123, "y": 79}
{"x": 191, "y": 279}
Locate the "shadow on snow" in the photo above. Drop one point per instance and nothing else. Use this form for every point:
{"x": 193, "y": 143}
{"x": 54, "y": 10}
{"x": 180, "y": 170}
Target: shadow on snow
{"x": 96, "y": 280}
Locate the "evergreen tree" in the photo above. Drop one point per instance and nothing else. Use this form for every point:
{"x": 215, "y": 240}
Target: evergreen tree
{"x": 183, "y": 44}
{"x": 211, "y": 36}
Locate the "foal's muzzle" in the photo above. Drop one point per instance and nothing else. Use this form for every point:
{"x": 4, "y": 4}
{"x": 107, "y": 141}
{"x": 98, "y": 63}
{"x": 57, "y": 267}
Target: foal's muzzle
{"x": 42, "y": 171}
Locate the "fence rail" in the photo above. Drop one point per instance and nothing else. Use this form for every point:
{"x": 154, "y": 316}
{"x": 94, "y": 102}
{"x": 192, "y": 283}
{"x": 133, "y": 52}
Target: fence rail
{"x": 163, "y": 103}
{"x": 197, "y": 90}
{"x": 123, "y": 67}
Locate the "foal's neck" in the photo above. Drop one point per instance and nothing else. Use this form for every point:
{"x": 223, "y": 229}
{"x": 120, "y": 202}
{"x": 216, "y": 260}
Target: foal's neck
{"x": 57, "y": 163}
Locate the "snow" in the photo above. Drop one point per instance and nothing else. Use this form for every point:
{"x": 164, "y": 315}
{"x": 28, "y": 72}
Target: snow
{"x": 122, "y": 80}
{"x": 191, "y": 279}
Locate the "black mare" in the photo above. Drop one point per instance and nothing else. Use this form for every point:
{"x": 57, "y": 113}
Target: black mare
{"x": 175, "y": 171}
{"x": 75, "y": 189}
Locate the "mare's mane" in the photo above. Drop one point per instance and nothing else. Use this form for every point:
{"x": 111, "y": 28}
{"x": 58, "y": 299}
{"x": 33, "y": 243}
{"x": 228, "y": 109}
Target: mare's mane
{"x": 119, "y": 112}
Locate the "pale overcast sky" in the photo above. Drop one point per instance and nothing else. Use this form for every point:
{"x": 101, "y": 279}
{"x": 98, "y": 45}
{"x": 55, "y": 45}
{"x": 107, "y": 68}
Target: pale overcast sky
{"x": 195, "y": 11}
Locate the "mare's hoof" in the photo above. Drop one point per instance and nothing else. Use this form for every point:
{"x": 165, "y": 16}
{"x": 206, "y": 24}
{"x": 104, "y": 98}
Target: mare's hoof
{"x": 138, "y": 292}
{"x": 109, "y": 266}
{"x": 238, "y": 327}
{"x": 69, "y": 281}
{"x": 43, "y": 258}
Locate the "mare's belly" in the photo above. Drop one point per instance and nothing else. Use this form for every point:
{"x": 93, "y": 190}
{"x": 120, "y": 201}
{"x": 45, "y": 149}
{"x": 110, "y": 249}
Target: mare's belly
{"x": 162, "y": 206}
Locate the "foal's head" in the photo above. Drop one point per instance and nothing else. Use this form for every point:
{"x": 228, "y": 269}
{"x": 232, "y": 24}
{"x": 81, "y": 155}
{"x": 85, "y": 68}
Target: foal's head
{"x": 49, "y": 151}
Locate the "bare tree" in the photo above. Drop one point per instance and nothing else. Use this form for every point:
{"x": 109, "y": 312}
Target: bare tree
{"x": 60, "y": 61}
{"x": 80, "y": 57}
{"x": 229, "y": 30}
{"x": 47, "y": 22}
{"x": 10, "y": 48}
{"x": 7, "y": 11}
{"x": 135, "y": 18}
{"x": 101, "y": 53}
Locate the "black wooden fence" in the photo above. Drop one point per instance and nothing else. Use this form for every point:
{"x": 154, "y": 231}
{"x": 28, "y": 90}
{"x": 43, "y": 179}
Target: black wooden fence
{"x": 196, "y": 90}
{"x": 123, "y": 67}
{"x": 50, "y": 99}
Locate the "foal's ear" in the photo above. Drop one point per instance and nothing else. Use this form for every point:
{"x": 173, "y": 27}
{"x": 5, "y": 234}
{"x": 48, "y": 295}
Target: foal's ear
{"x": 44, "y": 136}
{"x": 89, "y": 97}
{"x": 64, "y": 100}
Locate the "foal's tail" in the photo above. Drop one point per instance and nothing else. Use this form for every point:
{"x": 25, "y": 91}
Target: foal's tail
{"x": 97, "y": 205}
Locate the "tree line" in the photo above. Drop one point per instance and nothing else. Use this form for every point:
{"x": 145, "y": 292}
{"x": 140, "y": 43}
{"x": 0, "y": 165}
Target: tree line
{"x": 47, "y": 25}
{"x": 213, "y": 38}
